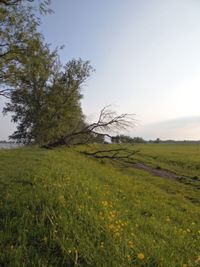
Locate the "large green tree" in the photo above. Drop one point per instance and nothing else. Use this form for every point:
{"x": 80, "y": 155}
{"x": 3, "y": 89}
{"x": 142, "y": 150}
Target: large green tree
{"x": 46, "y": 100}
{"x": 18, "y": 34}
{"x": 44, "y": 96}
{"x": 62, "y": 113}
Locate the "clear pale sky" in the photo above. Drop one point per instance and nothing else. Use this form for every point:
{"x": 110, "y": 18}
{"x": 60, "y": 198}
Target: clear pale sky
{"x": 147, "y": 59}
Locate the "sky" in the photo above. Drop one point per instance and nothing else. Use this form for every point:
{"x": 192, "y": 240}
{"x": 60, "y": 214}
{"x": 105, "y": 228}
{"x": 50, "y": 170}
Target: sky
{"x": 147, "y": 59}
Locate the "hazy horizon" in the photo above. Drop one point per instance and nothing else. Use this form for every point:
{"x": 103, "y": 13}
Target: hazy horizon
{"x": 147, "y": 60}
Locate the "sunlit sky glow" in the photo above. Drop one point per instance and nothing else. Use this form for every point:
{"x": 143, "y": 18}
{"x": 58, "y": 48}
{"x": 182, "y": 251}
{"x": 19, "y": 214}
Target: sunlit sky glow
{"x": 146, "y": 55}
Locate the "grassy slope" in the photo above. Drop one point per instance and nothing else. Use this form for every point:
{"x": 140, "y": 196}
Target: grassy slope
{"x": 59, "y": 208}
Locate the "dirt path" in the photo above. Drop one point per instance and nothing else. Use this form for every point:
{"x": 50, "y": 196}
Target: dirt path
{"x": 155, "y": 171}
{"x": 192, "y": 181}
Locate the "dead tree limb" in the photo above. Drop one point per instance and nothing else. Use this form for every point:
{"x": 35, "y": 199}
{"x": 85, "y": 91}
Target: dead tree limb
{"x": 108, "y": 123}
{"x": 111, "y": 153}
{"x": 10, "y": 2}
{"x": 5, "y": 93}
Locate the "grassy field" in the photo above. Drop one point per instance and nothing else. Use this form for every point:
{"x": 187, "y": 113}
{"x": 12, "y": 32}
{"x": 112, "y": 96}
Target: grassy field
{"x": 60, "y": 208}
{"x": 183, "y": 159}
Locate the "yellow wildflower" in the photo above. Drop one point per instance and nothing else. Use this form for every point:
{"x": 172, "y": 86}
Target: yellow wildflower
{"x": 198, "y": 259}
{"x": 61, "y": 199}
{"x": 117, "y": 234}
{"x": 102, "y": 245}
{"x": 140, "y": 256}
{"x": 105, "y": 203}
{"x": 130, "y": 244}
{"x": 129, "y": 257}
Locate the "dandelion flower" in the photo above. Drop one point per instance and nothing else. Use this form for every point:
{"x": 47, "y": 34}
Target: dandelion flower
{"x": 129, "y": 257}
{"x": 198, "y": 259}
{"x": 102, "y": 245}
{"x": 130, "y": 244}
{"x": 140, "y": 256}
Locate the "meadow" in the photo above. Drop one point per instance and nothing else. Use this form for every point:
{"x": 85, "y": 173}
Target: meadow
{"x": 181, "y": 158}
{"x": 61, "y": 208}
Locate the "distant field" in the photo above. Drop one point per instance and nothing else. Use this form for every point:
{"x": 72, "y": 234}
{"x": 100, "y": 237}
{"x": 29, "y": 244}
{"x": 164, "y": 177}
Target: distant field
{"x": 60, "y": 208}
{"x": 181, "y": 158}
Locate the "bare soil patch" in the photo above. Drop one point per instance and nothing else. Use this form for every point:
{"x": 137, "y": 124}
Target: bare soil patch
{"x": 163, "y": 173}
{"x": 156, "y": 171}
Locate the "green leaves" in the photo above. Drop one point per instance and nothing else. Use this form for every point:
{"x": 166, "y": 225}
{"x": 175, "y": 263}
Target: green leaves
{"x": 62, "y": 114}
{"x": 18, "y": 32}
{"x": 44, "y": 95}
{"x": 46, "y": 99}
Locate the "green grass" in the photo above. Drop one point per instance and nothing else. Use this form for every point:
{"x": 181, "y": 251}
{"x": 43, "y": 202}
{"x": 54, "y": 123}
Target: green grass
{"x": 59, "y": 208}
{"x": 182, "y": 159}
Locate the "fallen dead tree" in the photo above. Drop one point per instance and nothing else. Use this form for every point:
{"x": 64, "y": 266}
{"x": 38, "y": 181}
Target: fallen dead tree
{"x": 107, "y": 123}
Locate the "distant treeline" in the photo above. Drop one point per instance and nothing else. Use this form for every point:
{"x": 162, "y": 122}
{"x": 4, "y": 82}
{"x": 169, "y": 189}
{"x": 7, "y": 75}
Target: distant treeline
{"x": 139, "y": 140}
{"x": 6, "y": 142}
{"x": 125, "y": 139}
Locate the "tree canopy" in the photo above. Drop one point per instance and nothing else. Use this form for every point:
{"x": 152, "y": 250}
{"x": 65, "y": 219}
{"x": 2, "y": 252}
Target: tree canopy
{"x": 46, "y": 99}
{"x": 44, "y": 95}
{"x": 18, "y": 38}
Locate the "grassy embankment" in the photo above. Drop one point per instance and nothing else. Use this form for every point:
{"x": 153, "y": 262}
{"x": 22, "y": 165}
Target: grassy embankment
{"x": 59, "y": 208}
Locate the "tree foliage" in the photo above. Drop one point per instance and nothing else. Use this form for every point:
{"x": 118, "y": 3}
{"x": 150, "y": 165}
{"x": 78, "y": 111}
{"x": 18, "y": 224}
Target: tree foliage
{"x": 46, "y": 99}
{"x": 107, "y": 123}
{"x": 44, "y": 96}
{"x": 62, "y": 113}
{"x": 127, "y": 139}
{"x": 18, "y": 38}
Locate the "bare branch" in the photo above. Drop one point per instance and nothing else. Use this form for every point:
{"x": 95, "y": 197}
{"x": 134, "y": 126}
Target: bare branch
{"x": 118, "y": 153}
{"x": 9, "y": 2}
{"x": 12, "y": 2}
{"x": 108, "y": 122}
{"x": 5, "y": 93}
